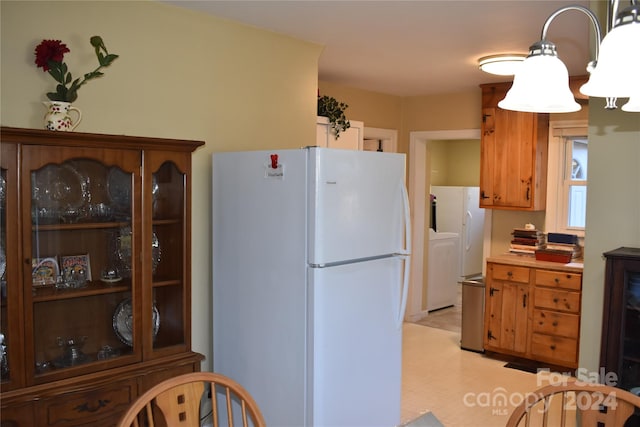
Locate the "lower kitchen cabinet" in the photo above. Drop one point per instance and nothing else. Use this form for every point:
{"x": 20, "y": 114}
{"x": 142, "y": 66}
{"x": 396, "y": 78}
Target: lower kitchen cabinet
{"x": 533, "y": 311}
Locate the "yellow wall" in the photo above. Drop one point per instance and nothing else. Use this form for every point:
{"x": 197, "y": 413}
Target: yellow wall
{"x": 613, "y": 210}
{"x": 455, "y": 162}
{"x": 183, "y": 74}
{"x": 180, "y": 74}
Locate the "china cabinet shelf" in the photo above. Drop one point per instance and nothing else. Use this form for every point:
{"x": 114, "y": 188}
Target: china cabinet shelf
{"x": 50, "y": 293}
{"x": 159, "y": 284}
{"x": 80, "y": 208}
{"x": 79, "y": 226}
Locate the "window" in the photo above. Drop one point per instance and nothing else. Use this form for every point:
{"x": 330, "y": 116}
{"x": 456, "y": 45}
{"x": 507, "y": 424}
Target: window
{"x": 574, "y": 197}
{"x": 567, "y": 178}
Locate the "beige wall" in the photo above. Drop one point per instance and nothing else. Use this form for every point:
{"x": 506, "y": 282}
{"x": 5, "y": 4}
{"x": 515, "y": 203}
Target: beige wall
{"x": 181, "y": 75}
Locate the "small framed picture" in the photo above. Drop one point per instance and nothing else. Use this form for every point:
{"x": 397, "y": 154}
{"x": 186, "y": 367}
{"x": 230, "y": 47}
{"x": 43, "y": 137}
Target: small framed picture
{"x": 76, "y": 264}
{"x": 44, "y": 271}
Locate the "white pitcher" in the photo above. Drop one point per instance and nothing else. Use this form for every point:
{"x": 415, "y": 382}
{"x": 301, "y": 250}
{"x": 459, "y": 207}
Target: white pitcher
{"x": 58, "y": 116}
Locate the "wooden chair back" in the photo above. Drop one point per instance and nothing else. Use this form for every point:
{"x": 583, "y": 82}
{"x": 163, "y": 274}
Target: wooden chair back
{"x": 176, "y": 403}
{"x": 577, "y": 404}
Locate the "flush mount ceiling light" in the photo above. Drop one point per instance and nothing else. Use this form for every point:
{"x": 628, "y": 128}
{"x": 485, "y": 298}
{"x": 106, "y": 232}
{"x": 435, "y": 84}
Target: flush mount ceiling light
{"x": 542, "y": 83}
{"x": 505, "y": 64}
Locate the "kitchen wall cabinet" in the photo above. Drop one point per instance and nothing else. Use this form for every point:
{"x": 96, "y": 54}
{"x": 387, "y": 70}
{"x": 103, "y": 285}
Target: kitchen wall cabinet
{"x": 513, "y": 154}
{"x": 533, "y": 311}
{"x": 351, "y": 139}
{"x": 620, "y": 345}
{"x": 96, "y": 277}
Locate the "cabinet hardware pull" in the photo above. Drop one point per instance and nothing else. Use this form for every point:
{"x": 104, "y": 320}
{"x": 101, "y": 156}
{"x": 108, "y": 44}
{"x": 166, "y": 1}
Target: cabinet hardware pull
{"x": 553, "y": 347}
{"x": 555, "y": 323}
{"x": 509, "y": 273}
{"x": 524, "y": 300}
{"x": 555, "y": 300}
{"x": 86, "y": 408}
{"x": 483, "y": 196}
{"x": 492, "y": 290}
{"x": 556, "y": 280}
{"x": 528, "y": 191}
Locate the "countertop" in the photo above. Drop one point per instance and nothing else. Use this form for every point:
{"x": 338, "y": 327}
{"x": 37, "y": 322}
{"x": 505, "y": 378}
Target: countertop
{"x": 531, "y": 261}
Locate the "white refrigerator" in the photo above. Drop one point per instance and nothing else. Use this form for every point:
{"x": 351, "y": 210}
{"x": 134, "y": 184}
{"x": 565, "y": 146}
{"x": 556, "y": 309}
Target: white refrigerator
{"x": 458, "y": 211}
{"x": 310, "y": 277}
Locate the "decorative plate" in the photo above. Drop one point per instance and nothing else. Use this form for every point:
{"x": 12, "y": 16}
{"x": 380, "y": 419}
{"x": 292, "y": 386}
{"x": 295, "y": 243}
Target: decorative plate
{"x": 123, "y": 322}
{"x": 123, "y": 251}
{"x": 119, "y": 188}
{"x": 57, "y": 187}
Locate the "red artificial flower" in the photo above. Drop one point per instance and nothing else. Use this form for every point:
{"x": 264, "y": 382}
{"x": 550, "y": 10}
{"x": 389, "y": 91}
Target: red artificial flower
{"x": 50, "y": 50}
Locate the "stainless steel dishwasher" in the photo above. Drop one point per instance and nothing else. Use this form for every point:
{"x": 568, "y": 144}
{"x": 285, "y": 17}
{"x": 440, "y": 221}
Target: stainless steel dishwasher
{"x": 472, "y": 314}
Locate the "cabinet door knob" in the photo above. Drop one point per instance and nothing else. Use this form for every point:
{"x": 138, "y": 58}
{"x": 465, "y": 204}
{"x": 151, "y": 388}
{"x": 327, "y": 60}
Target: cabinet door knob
{"x": 555, "y": 323}
{"x": 553, "y": 346}
{"x": 555, "y": 300}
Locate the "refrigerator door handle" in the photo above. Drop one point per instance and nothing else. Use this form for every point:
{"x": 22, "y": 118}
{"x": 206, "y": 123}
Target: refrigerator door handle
{"x": 407, "y": 220}
{"x": 467, "y": 236}
{"x": 405, "y": 290}
{"x": 405, "y": 257}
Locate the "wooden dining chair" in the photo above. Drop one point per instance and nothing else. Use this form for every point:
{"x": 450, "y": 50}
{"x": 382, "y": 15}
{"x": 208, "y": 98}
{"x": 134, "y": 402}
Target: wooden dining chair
{"x": 176, "y": 403}
{"x": 577, "y": 404}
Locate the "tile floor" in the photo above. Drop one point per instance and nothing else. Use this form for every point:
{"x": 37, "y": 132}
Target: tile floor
{"x": 461, "y": 388}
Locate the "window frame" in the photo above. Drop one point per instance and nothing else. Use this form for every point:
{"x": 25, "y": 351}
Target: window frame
{"x": 556, "y": 217}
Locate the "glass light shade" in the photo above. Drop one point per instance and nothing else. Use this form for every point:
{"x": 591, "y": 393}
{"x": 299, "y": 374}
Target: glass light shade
{"x": 541, "y": 86}
{"x": 633, "y": 105}
{"x": 616, "y": 73}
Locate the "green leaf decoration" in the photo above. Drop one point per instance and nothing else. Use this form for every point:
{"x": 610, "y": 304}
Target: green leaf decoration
{"x": 60, "y": 73}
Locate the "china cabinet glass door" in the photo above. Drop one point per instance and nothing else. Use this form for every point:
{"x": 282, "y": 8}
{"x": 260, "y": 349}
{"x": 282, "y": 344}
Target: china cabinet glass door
{"x": 83, "y": 264}
{"x": 10, "y": 313}
{"x": 620, "y": 348}
{"x": 631, "y": 340}
{"x": 166, "y": 235}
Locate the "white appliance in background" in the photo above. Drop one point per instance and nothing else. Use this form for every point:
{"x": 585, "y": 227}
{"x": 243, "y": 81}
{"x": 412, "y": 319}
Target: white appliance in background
{"x": 310, "y": 277}
{"x": 458, "y": 211}
{"x": 442, "y": 274}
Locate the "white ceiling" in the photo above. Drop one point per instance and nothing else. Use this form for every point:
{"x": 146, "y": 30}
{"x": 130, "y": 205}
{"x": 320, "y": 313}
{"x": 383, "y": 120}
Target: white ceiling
{"x": 411, "y": 48}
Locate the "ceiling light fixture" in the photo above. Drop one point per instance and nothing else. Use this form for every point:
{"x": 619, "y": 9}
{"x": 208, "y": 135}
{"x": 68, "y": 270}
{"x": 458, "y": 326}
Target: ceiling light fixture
{"x": 504, "y": 64}
{"x": 542, "y": 83}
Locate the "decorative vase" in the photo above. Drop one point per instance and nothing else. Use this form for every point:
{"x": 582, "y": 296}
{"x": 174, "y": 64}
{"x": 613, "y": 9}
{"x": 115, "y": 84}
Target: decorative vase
{"x": 58, "y": 116}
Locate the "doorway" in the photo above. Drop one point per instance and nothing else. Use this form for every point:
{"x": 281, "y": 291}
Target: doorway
{"x": 419, "y": 183}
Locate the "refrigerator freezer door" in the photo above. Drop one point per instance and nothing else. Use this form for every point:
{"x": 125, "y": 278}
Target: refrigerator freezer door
{"x": 357, "y": 205}
{"x": 357, "y": 343}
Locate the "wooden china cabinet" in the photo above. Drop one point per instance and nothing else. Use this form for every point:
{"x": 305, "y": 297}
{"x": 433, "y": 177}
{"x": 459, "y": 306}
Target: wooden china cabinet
{"x": 95, "y": 270}
{"x": 620, "y": 345}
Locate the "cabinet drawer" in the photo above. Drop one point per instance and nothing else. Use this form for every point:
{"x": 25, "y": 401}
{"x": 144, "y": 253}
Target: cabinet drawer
{"x": 554, "y": 323}
{"x": 559, "y": 279}
{"x": 88, "y": 407}
{"x": 510, "y": 273}
{"x": 557, "y": 299}
{"x": 552, "y": 347}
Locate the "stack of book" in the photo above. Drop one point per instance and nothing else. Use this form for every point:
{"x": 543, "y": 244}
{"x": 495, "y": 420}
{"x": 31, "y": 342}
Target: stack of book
{"x": 560, "y": 247}
{"x": 526, "y": 241}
